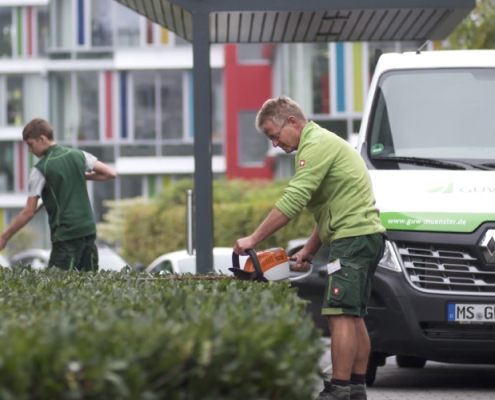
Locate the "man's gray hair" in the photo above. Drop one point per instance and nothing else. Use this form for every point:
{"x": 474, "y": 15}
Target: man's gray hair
{"x": 278, "y": 110}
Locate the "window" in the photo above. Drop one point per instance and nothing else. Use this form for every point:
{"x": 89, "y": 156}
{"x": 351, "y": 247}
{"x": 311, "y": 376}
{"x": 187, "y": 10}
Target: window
{"x": 75, "y": 105}
{"x": 61, "y": 106}
{"x": 320, "y": 66}
{"x": 6, "y": 167}
{"x": 23, "y": 98}
{"x": 103, "y": 153}
{"x": 337, "y": 126}
{"x": 253, "y": 52}
{"x": 130, "y": 186}
{"x": 102, "y": 191}
{"x": 137, "y": 150}
{"x": 158, "y": 97}
{"x": 101, "y": 23}
{"x": 217, "y": 96}
{"x": 144, "y": 105}
{"x": 88, "y": 116}
{"x": 42, "y": 31}
{"x": 127, "y": 26}
{"x": 62, "y": 23}
{"x": 15, "y": 109}
{"x": 5, "y": 32}
{"x": 435, "y": 113}
{"x": 165, "y": 265}
{"x": 253, "y": 145}
{"x": 34, "y": 97}
{"x": 171, "y": 104}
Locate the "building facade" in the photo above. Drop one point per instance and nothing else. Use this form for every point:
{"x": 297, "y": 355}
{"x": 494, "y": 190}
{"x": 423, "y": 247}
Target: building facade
{"x": 117, "y": 85}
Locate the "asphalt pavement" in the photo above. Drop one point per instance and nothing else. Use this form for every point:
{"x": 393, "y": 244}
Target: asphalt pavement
{"x": 436, "y": 381}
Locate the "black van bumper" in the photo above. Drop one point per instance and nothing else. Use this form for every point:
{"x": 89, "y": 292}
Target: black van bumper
{"x": 405, "y": 321}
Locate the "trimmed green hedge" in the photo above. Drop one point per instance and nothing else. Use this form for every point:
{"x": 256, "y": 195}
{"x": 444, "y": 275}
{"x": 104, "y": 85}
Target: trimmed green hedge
{"x": 69, "y": 335}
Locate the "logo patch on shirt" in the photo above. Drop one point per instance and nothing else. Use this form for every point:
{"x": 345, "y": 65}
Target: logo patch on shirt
{"x": 336, "y": 291}
{"x": 302, "y": 163}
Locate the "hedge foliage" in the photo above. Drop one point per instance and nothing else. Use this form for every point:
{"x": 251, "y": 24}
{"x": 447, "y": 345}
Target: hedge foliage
{"x": 70, "y": 335}
{"x": 239, "y": 206}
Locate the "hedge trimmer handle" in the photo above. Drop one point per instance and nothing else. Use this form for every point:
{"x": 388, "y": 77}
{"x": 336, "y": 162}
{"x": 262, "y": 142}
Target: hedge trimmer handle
{"x": 258, "y": 274}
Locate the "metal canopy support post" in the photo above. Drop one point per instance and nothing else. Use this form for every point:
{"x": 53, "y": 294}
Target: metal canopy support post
{"x": 203, "y": 176}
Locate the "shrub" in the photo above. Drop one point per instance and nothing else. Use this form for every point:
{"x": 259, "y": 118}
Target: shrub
{"x": 70, "y": 335}
{"x": 145, "y": 231}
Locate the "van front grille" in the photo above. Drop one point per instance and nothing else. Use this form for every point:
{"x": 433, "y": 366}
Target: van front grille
{"x": 443, "y": 268}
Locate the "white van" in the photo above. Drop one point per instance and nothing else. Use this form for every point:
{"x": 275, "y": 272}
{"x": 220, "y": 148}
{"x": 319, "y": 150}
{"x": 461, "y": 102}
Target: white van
{"x": 428, "y": 138}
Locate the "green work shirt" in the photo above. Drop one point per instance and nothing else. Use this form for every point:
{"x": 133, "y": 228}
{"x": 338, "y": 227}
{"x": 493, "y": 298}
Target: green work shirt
{"x": 332, "y": 181}
{"x": 65, "y": 194}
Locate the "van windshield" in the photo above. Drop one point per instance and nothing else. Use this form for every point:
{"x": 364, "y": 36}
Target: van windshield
{"x": 442, "y": 114}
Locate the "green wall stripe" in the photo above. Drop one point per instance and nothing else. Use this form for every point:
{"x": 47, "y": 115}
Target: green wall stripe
{"x": 151, "y": 186}
{"x": 19, "y": 31}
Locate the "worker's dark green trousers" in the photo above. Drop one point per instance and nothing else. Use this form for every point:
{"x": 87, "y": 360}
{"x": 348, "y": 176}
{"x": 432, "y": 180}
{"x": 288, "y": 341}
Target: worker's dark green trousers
{"x": 80, "y": 254}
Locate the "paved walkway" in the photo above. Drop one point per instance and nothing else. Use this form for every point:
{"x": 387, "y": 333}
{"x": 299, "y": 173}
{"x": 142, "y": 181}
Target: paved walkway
{"x": 436, "y": 381}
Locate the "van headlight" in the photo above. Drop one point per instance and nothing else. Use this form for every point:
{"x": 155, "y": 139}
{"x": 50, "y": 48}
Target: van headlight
{"x": 390, "y": 260}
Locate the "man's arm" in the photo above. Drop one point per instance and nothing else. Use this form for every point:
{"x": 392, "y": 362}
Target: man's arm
{"x": 275, "y": 220}
{"x": 101, "y": 172}
{"x": 307, "y": 252}
{"x": 20, "y": 221}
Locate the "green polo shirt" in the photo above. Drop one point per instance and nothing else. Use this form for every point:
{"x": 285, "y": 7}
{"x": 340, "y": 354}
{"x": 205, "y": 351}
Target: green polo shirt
{"x": 332, "y": 181}
{"x": 65, "y": 195}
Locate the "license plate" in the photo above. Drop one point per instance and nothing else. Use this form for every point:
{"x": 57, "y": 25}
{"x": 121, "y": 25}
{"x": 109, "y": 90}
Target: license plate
{"x": 471, "y": 312}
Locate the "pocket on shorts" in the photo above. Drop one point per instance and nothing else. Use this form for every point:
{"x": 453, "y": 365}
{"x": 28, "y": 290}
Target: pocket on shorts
{"x": 343, "y": 288}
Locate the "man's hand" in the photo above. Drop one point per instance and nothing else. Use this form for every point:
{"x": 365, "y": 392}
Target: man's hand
{"x": 244, "y": 244}
{"x": 300, "y": 265}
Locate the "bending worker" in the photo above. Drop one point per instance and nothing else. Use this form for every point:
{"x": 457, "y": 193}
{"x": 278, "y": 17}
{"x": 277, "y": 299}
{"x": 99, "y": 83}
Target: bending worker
{"x": 59, "y": 178}
{"x": 332, "y": 181}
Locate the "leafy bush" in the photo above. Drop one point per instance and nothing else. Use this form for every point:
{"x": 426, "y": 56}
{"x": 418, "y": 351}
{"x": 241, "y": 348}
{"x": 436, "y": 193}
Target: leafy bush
{"x": 69, "y": 335}
{"x": 239, "y": 206}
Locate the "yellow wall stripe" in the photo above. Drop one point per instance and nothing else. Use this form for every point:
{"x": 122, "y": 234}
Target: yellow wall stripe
{"x": 358, "y": 76}
{"x": 164, "y": 36}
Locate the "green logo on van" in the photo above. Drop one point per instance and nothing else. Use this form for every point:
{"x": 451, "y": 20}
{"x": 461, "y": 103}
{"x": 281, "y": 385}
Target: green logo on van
{"x": 440, "y": 187}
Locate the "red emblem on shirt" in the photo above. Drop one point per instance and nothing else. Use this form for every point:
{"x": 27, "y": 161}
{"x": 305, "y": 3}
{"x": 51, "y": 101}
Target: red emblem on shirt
{"x": 302, "y": 163}
{"x": 336, "y": 291}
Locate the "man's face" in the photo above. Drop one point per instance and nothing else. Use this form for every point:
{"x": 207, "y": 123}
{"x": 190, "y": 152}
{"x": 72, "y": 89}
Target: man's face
{"x": 37, "y": 146}
{"x": 284, "y": 136}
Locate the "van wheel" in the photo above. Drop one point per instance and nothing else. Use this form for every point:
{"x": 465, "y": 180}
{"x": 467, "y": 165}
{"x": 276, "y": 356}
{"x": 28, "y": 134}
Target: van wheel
{"x": 371, "y": 370}
{"x": 410, "y": 362}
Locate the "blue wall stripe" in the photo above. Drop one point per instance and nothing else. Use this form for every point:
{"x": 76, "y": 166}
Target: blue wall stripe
{"x": 123, "y": 103}
{"x": 80, "y": 22}
{"x": 340, "y": 77}
{"x": 191, "y": 105}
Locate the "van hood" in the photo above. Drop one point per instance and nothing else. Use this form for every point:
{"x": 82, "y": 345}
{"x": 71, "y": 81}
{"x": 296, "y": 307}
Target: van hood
{"x": 434, "y": 201}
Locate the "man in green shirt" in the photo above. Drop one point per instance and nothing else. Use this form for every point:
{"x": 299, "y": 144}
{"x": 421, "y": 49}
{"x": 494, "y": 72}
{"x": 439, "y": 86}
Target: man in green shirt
{"x": 332, "y": 181}
{"x": 59, "y": 178}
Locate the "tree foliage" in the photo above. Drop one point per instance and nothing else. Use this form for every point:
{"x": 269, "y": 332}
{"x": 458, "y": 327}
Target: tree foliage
{"x": 477, "y": 30}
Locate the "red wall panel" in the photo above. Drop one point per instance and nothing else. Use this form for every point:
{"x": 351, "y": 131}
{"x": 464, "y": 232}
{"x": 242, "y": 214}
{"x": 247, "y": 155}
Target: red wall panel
{"x": 247, "y": 87}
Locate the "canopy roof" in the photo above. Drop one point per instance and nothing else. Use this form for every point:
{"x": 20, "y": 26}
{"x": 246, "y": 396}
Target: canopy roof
{"x": 280, "y": 21}
{"x": 277, "y": 21}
